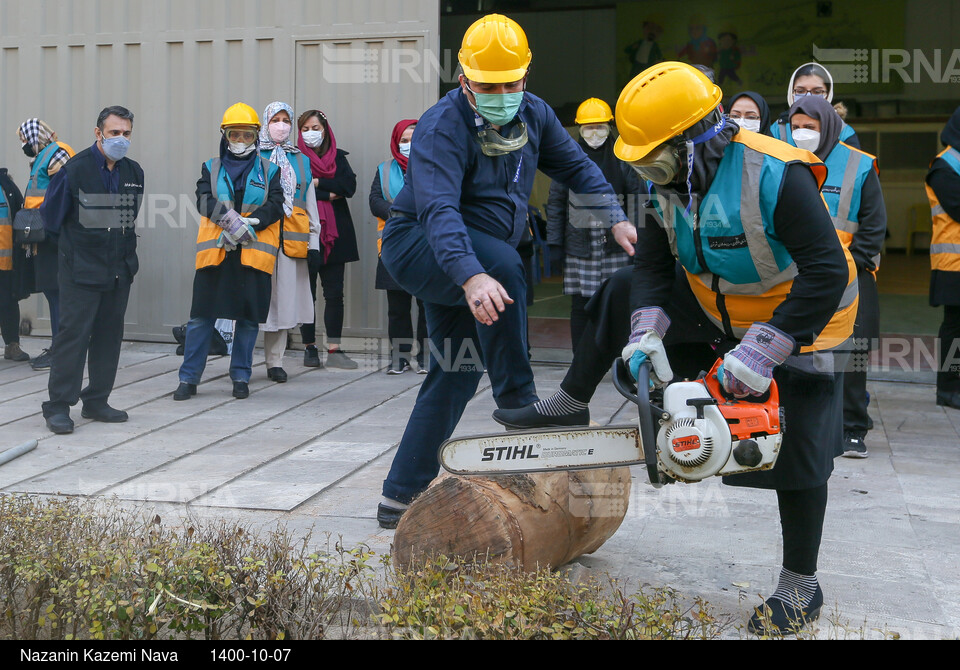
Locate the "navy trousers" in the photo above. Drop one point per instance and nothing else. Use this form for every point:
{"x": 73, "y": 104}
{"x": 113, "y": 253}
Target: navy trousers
{"x": 460, "y": 348}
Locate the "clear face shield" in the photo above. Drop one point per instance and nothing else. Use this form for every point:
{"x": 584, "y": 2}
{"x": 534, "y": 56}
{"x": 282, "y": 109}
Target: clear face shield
{"x": 493, "y": 143}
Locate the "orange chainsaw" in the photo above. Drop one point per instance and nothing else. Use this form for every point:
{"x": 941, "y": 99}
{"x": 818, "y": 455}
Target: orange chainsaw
{"x": 702, "y": 432}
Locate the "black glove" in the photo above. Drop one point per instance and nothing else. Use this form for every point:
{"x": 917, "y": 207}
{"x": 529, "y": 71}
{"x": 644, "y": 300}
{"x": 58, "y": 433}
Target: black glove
{"x": 314, "y": 260}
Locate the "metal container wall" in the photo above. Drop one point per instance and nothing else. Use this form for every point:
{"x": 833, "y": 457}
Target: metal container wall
{"x": 177, "y": 65}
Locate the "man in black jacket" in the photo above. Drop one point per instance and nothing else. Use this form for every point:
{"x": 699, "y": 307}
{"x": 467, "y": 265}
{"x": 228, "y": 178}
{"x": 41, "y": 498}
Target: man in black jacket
{"x": 91, "y": 205}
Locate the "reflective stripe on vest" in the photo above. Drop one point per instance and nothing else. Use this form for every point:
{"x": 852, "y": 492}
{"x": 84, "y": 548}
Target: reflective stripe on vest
{"x": 259, "y": 255}
{"x": 945, "y": 241}
{"x": 848, "y": 170}
{"x": 295, "y": 230}
{"x": 744, "y": 232}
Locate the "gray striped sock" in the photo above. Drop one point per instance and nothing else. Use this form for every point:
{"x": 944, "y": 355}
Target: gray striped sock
{"x": 795, "y": 589}
{"x": 560, "y": 404}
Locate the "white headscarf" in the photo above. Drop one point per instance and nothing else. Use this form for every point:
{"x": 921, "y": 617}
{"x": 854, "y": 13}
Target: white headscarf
{"x": 278, "y": 155}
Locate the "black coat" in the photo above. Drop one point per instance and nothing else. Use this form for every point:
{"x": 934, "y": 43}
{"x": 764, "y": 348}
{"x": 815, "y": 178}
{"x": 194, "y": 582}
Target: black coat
{"x": 232, "y": 290}
{"x": 344, "y": 184}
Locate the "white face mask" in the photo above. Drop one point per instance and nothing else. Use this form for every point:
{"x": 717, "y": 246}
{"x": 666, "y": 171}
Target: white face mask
{"x": 595, "y": 134}
{"x": 752, "y": 125}
{"x": 404, "y": 148}
{"x": 807, "y": 139}
{"x": 241, "y": 149}
{"x": 312, "y": 138}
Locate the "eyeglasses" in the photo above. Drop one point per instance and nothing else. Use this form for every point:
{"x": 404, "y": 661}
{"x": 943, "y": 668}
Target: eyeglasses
{"x": 749, "y": 116}
{"x": 800, "y": 91}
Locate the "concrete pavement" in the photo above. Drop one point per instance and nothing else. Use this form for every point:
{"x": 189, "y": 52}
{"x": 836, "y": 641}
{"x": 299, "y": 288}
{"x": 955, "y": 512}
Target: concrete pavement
{"x": 313, "y": 452}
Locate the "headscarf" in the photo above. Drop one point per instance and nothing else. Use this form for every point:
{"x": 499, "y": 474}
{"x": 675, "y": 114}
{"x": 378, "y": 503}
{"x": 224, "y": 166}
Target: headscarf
{"x": 761, "y": 105}
{"x": 323, "y": 165}
{"x": 398, "y": 130}
{"x": 278, "y": 155}
{"x": 830, "y": 122}
{"x": 39, "y": 135}
{"x": 815, "y": 69}
{"x": 950, "y": 137}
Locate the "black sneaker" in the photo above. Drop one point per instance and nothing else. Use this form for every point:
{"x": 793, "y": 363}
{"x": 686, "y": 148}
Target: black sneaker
{"x": 241, "y": 390}
{"x": 104, "y": 413}
{"x": 13, "y": 352}
{"x": 61, "y": 424}
{"x": 853, "y": 446}
{"x": 185, "y": 391}
{"x": 529, "y": 417}
{"x": 43, "y": 361}
{"x": 398, "y": 368}
{"x": 311, "y": 357}
{"x": 278, "y": 375}
{"x": 338, "y": 359}
{"x": 421, "y": 366}
{"x": 388, "y": 517}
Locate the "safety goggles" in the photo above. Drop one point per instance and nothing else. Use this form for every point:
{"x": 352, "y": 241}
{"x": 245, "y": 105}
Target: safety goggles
{"x": 493, "y": 143}
{"x": 245, "y": 135}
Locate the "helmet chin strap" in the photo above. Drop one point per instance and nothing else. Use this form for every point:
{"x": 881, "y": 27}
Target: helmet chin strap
{"x": 699, "y": 139}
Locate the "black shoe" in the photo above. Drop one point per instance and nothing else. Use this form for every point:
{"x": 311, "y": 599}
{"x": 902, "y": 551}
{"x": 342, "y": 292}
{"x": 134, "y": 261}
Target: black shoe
{"x": 61, "y": 424}
{"x": 185, "y": 391}
{"x": 278, "y": 375}
{"x": 783, "y": 618}
{"x": 241, "y": 390}
{"x": 338, "y": 359}
{"x": 869, "y": 423}
{"x": 853, "y": 446}
{"x": 104, "y": 413}
{"x": 529, "y": 417}
{"x": 421, "y": 366}
{"x": 43, "y": 361}
{"x": 398, "y": 368}
{"x": 311, "y": 357}
{"x": 388, "y": 517}
{"x": 949, "y": 399}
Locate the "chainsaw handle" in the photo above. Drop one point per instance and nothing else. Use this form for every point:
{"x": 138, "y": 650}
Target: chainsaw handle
{"x": 639, "y": 394}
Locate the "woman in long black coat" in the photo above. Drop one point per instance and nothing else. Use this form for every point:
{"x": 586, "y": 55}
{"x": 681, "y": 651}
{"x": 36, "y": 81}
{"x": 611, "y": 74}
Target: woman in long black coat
{"x": 334, "y": 182}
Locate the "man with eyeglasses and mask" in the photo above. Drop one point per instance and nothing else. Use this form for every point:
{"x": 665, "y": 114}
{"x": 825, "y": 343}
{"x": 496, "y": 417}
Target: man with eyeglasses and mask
{"x": 91, "y": 206}
{"x": 452, "y": 236}
{"x": 738, "y": 260}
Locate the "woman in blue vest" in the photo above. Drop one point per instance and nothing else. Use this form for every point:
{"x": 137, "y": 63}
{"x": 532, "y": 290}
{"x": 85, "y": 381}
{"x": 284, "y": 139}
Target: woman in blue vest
{"x": 387, "y": 182}
{"x": 855, "y": 201}
{"x": 815, "y": 80}
{"x": 240, "y": 201}
{"x": 943, "y": 190}
{"x": 291, "y": 302}
{"x": 47, "y": 156}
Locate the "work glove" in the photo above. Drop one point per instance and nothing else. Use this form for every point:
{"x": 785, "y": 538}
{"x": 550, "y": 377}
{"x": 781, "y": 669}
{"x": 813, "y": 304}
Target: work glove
{"x": 748, "y": 369}
{"x": 240, "y": 228}
{"x": 647, "y": 328}
{"x": 226, "y": 241}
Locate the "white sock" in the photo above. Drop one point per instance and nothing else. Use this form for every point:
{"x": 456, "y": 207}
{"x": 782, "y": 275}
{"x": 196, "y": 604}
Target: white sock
{"x": 560, "y": 404}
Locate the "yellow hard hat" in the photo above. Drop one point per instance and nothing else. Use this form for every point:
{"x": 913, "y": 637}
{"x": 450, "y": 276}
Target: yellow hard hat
{"x": 660, "y": 103}
{"x": 240, "y": 114}
{"x": 495, "y": 51}
{"x": 593, "y": 110}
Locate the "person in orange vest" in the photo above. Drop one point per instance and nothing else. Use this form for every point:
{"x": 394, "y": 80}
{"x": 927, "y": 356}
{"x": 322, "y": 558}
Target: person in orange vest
{"x": 855, "y": 202}
{"x": 943, "y": 190}
{"x": 738, "y": 260}
{"x": 12, "y": 261}
{"x": 240, "y": 200}
{"x": 47, "y": 155}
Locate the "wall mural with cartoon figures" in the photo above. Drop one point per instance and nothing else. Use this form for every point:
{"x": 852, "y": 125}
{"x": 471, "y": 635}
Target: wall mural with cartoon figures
{"x": 759, "y": 47}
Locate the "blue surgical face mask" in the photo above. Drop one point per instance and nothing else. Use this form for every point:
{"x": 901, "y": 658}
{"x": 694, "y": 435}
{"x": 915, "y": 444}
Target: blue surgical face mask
{"x": 404, "y": 149}
{"x": 115, "y": 148}
{"x": 498, "y": 108}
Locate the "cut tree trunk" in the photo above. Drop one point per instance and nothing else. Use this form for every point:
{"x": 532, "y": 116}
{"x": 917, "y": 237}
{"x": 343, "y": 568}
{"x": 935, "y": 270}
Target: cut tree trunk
{"x": 526, "y": 521}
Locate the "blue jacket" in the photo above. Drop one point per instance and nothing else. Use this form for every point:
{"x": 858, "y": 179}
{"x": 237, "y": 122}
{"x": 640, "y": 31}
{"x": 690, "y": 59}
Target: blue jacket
{"x": 451, "y": 184}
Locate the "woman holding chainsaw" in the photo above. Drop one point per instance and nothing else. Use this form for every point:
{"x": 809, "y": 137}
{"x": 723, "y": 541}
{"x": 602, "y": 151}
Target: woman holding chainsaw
{"x": 739, "y": 261}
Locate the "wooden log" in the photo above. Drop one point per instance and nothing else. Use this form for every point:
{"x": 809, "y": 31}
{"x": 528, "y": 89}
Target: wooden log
{"x": 525, "y": 521}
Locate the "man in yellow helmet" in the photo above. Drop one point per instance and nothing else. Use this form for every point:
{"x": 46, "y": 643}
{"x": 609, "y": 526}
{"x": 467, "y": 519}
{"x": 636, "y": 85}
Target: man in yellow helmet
{"x": 589, "y": 252}
{"x": 738, "y": 260}
{"x": 452, "y": 236}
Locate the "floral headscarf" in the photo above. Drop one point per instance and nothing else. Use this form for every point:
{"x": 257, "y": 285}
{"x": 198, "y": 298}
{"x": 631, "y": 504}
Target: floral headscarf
{"x": 278, "y": 155}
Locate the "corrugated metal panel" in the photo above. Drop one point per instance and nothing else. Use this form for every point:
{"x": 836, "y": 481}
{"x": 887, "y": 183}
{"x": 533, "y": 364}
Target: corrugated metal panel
{"x": 177, "y": 65}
